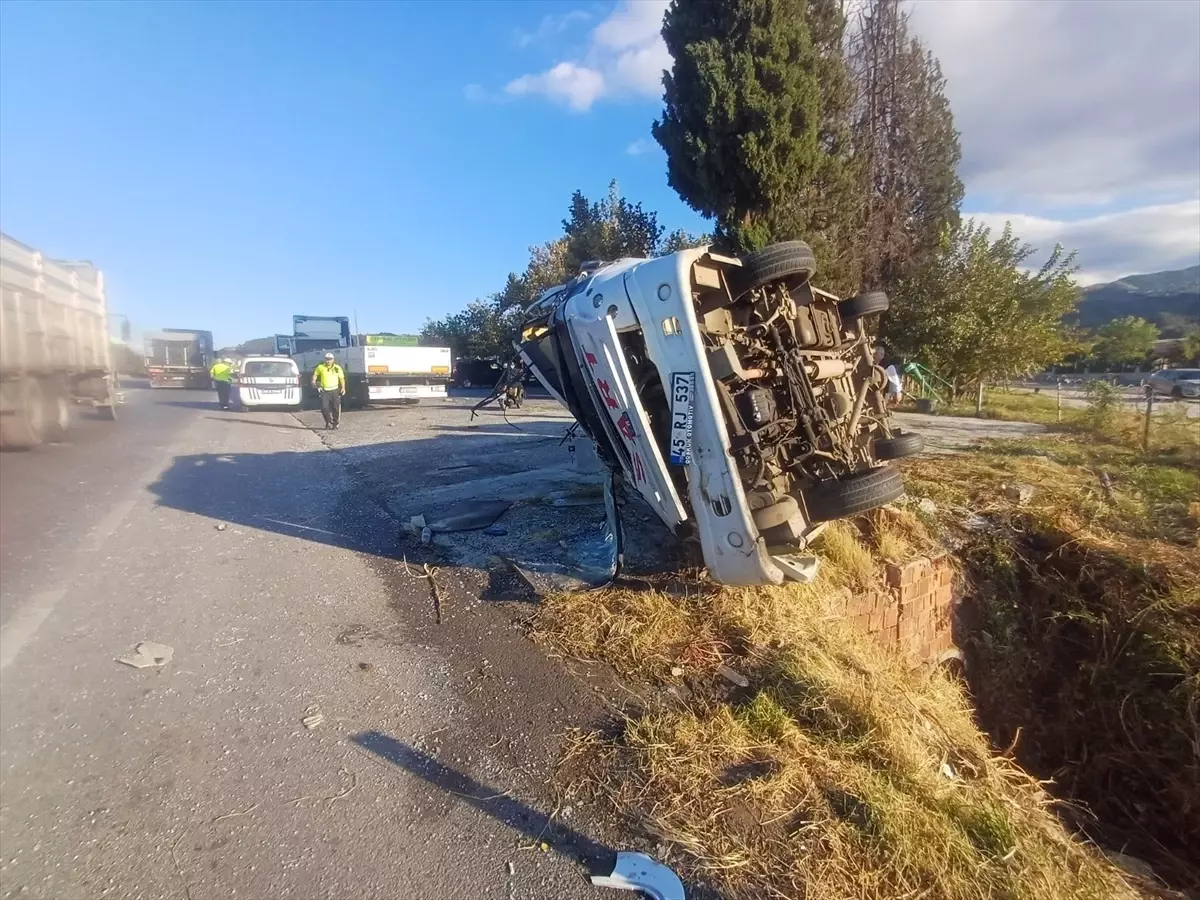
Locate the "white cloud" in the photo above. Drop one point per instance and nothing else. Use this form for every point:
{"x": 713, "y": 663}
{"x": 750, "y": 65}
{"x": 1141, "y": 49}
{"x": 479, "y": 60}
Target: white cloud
{"x": 625, "y": 55}
{"x": 576, "y": 86}
{"x": 639, "y": 147}
{"x": 550, "y": 27}
{"x": 1111, "y": 246}
{"x": 1066, "y": 103}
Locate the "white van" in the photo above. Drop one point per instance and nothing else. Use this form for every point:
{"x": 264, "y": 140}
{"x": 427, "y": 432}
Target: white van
{"x": 268, "y": 381}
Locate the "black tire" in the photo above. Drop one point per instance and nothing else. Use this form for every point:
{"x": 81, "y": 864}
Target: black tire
{"x": 57, "y": 419}
{"x": 1177, "y": 392}
{"x": 22, "y": 429}
{"x": 868, "y": 304}
{"x": 793, "y": 260}
{"x": 899, "y": 446}
{"x": 851, "y": 496}
{"x": 776, "y": 514}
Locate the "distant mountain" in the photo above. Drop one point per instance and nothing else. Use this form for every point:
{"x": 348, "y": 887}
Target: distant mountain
{"x": 1169, "y": 299}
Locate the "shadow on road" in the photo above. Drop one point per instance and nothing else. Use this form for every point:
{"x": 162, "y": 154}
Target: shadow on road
{"x": 300, "y": 494}
{"x": 279, "y": 426}
{"x": 554, "y": 525}
{"x": 193, "y": 404}
{"x": 534, "y": 824}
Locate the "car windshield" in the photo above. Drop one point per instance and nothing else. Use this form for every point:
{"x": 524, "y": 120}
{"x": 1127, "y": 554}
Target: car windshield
{"x": 269, "y": 368}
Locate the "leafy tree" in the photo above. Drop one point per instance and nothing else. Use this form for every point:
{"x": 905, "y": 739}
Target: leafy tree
{"x": 905, "y": 143}
{"x": 480, "y": 331}
{"x": 612, "y": 228}
{"x": 751, "y": 122}
{"x": 679, "y": 239}
{"x": 1125, "y": 341}
{"x": 1189, "y": 346}
{"x": 971, "y": 311}
{"x": 606, "y": 229}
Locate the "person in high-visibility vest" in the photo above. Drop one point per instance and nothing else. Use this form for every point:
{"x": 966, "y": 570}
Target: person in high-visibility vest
{"x": 222, "y": 375}
{"x": 330, "y": 382}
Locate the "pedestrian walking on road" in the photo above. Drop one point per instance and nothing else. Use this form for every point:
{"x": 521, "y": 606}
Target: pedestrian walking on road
{"x": 330, "y": 382}
{"x": 222, "y": 375}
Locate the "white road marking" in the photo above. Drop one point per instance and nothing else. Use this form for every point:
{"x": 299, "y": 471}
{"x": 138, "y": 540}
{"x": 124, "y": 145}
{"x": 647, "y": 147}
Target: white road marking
{"x": 25, "y": 623}
{"x": 111, "y": 522}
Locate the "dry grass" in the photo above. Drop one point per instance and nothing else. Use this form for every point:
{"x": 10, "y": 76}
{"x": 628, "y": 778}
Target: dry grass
{"x": 842, "y": 773}
{"x": 1089, "y": 597}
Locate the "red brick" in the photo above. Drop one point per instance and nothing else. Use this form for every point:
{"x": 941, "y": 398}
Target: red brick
{"x": 891, "y": 616}
{"x": 898, "y": 576}
{"x": 906, "y": 629}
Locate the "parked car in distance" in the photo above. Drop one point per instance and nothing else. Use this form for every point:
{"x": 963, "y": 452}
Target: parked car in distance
{"x": 268, "y": 381}
{"x": 1178, "y": 383}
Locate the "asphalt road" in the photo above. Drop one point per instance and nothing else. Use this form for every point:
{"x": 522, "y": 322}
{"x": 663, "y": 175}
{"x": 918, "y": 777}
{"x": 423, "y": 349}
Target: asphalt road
{"x": 251, "y": 547}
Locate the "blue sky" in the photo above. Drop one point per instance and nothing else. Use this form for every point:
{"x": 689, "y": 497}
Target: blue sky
{"x": 230, "y": 164}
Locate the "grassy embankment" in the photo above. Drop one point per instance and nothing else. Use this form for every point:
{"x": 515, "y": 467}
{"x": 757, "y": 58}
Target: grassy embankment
{"x": 842, "y": 772}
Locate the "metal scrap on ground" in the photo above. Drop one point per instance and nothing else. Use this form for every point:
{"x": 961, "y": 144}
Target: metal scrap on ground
{"x": 147, "y": 654}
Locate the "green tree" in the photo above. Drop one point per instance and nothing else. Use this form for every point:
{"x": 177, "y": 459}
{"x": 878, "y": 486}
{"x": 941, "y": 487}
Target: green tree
{"x": 1125, "y": 341}
{"x": 607, "y": 229}
{"x": 482, "y": 331}
{"x": 971, "y": 311}
{"x": 680, "y": 239}
{"x": 905, "y": 143}
{"x": 1189, "y": 346}
{"x": 754, "y": 124}
{"x": 612, "y": 228}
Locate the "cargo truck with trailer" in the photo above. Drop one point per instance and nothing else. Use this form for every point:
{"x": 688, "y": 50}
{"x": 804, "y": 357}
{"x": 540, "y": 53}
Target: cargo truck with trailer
{"x": 179, "y": 358}
{"x": 54, "y": 345}
{"x": 380, "y": 368}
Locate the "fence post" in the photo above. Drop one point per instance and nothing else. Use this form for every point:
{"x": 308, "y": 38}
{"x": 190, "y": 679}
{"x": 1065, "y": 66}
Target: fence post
{"x": 1058, "y": 399}
{"x": 1149, "y": 410}
{"x": 979, "y": 400}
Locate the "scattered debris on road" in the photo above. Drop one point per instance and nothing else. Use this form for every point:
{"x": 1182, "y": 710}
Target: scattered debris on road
{"x": 468, "y": 515}
{"x": 221, "y": 526}
{"x": 313, "y": 717}
{"x": 638, "y": 872}
{"x": 147, "y": 654}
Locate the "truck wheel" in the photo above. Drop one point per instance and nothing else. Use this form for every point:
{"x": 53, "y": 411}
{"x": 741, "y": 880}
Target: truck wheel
{"x": 108, "y": 409}
{"x": 788, "y": 259}
{"x": 860, "y": 305}
{"x": 22, "y": 430}
{"x": 56, "y": 414}
{"x": 899, "y": 446}
{"x": 859, "y": 493}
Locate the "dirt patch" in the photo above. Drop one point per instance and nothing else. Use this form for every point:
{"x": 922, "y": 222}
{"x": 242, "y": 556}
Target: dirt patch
{"x": 951, "y": 434}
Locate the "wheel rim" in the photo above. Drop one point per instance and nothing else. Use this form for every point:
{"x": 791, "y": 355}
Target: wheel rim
{"x": 37, "y": 417}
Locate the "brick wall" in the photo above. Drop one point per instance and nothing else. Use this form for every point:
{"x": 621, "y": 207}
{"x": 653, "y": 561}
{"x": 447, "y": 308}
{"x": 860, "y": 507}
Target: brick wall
{"x": 912, "y": 612}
